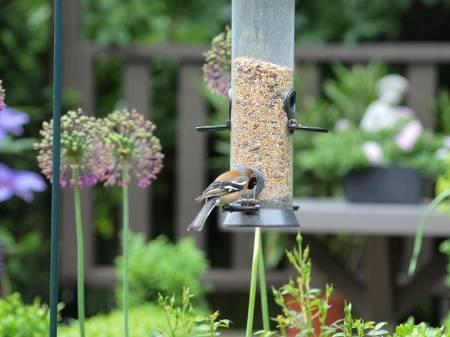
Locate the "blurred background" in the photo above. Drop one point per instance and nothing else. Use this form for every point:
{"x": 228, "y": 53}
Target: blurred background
{"x": 149, "y": 55}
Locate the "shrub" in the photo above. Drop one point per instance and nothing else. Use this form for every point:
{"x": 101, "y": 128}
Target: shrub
{"x": 183, "y": 320}
{"x": 160, "y": 267}
{"x": 143, "y": 319}
{"x": 420, "y": 330}
{"x": 21, "y": 320}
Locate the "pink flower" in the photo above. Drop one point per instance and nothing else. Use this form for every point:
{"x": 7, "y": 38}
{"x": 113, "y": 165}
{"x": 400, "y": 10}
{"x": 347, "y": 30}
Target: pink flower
{"x": 342, "y": 125}
{"x": 373, "y": 152}
{"x": 132, "y": 149}
{"x": 83, "y": 148}
{"x": 405, "y": 112}
{"x": 408, "y": 136}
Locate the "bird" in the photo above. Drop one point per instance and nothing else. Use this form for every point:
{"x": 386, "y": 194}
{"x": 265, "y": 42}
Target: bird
{"x": 225, "y": 189}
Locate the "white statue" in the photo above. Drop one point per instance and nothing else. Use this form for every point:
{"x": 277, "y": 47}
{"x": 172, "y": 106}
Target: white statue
{"x": 386, "y": 111}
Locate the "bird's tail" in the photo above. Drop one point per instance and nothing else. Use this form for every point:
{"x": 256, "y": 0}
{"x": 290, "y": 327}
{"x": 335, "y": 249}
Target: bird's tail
{"x": 199, "y": 222}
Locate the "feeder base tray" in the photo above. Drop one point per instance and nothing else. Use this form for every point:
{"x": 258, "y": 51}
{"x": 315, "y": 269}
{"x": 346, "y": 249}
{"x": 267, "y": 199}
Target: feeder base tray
{"x": 264, "y": 218}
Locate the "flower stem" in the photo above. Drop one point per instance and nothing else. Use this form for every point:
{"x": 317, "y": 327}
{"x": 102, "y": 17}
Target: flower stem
{"x": 254, "y": 276}
{"x": 263, "y": 289}
{"x": 80, "y": 252}
{"x": 125, "y": 214}
{"x": 420, "y": 228}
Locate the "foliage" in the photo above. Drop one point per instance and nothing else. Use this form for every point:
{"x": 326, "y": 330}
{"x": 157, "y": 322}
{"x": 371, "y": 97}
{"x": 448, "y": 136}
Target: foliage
{"x": 21, "y": 320}
{"x": 183, "y": 321}
{"x": 302, "y": 306}
{"x": 441, "y": 200}
{"x": 352, "y": 89}
{"x": 113, "y": 21}
{"x": 19, "y": 253}
{"x": 160, "y": 267}
{"x": 119, "y": 22}
{"x": 442, "y": 112}
{"x": 410, "y": 329}
{"x": 151, "y": 320}
{"x": 334, "y": 155}
{"x": 143, "y": 319}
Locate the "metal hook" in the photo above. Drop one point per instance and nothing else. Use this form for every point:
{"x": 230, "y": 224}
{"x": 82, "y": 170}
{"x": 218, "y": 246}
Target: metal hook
{"x": 220, "y": 127}
{"x": 290, "y": 109}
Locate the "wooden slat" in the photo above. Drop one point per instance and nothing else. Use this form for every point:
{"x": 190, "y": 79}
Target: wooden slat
{"x": 387, "y": 52}
{"x": 422, "y": 92}
{"x": 238, "y": 280}
{"x": 309, "y": 76}
{"x": 421, "y": 285}
{"x": 380, "y": 280}
{"x": 242, "y": 250}
{"x": 77, "y": 74}
{"x": 137, "y": 88}
{"x": 191, "y": 150}
{"x": 332, "y": 216}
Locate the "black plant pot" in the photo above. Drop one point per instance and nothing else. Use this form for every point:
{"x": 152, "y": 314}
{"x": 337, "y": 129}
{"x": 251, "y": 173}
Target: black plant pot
{"x": 393, "y": 184}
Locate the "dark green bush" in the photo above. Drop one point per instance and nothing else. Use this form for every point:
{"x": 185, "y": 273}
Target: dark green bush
{"x": 161, "y": 267}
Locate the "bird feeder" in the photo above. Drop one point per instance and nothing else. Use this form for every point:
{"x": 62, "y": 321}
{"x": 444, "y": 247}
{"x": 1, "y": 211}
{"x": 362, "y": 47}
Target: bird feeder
{"x": 262, "y": 111}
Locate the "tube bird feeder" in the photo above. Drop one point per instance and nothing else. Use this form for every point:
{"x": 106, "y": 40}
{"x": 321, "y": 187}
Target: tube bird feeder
{"x": 262, "y": 76}
{"x": 262, "y": 111}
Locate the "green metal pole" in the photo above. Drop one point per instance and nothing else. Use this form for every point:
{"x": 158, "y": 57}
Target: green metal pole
{"x": 54, "y": 260}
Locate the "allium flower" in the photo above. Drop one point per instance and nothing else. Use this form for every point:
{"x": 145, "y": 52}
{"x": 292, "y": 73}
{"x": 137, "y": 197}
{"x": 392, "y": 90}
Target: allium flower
{"x": 408, "y": 136}
{"x": 2, "y": 97}
{"x": 19, "y": 183}
{"x": 342, "y": 125}
{"x": 133, "y": 149}
{"x": 373, "y": 152}
{"x": 12, "y": 121}
{"x": 82, "y": 149}
{"x": 217, "y": 68}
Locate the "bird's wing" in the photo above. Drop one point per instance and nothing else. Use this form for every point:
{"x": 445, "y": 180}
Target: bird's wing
{"x": 219, "y": 188}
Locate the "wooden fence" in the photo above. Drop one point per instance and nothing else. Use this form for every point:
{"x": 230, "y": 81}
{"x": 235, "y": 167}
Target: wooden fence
{"x": 420, "y": 61}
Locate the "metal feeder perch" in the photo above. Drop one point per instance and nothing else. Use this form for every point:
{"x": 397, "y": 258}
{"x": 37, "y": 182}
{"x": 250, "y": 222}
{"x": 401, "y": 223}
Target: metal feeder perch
{"x": 262, "y": 111}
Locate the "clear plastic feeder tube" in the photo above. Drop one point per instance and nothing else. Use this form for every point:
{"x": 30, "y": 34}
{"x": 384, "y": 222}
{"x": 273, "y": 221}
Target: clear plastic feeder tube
{"x": 262, "y": 74}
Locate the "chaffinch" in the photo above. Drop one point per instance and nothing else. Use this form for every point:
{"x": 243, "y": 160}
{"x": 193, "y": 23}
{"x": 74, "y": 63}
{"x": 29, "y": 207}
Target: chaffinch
{"x": 225, "y": 189}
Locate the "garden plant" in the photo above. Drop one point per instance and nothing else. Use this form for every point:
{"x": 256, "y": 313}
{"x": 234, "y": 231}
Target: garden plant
{"x": 160, "y": 290}
{"x": 110, "y": 151}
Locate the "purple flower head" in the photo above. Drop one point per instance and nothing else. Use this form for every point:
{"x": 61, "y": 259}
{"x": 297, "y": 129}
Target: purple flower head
{"x": 2, "y": 97}
{"x": 342, "y": 125}
{"x": 408, "y": 136}
{"x": 217, "y": 67}
{"x": 12, "y": 121}
{"x": 373, "y": 152}
{"x": 83, "y": 149}
{"x": 132, "y": 149}
{"x": 19, "y": 183}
